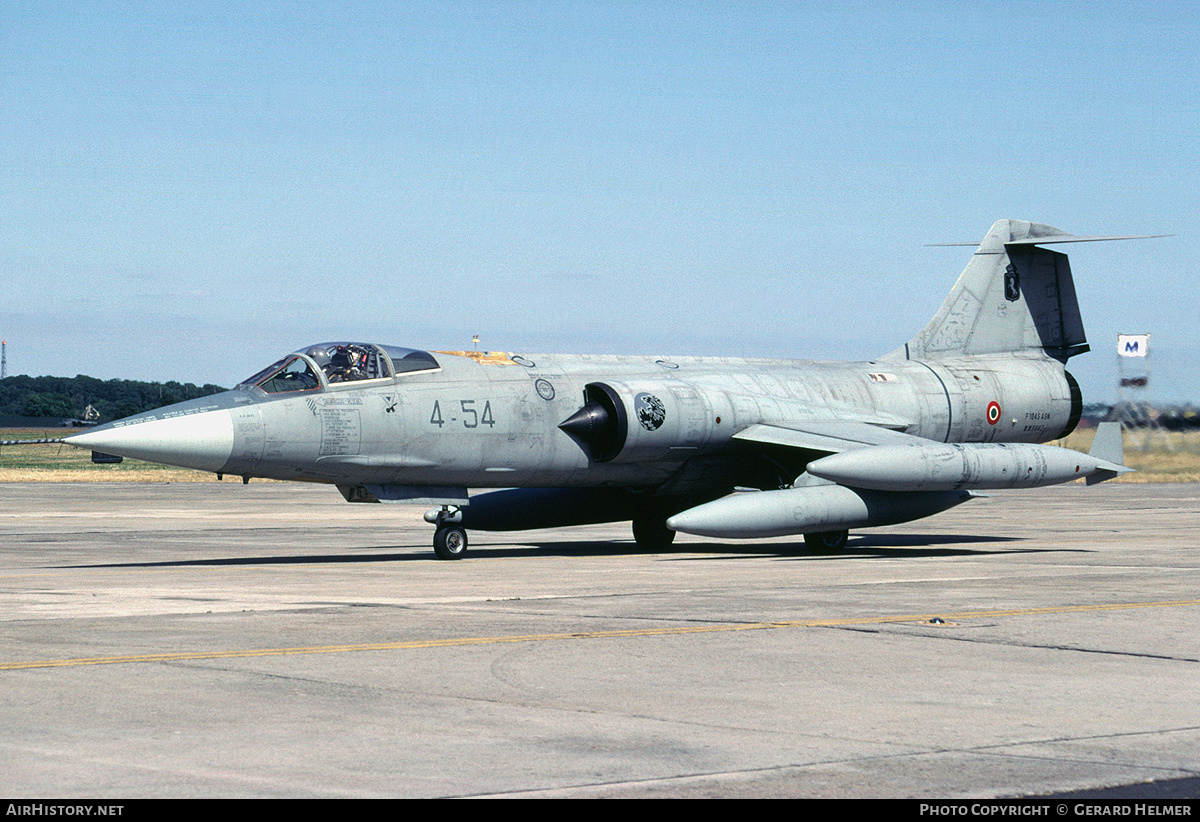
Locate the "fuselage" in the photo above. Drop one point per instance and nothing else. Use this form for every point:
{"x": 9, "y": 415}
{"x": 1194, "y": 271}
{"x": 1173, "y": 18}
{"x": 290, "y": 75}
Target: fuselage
{"x": 468, "y": 420}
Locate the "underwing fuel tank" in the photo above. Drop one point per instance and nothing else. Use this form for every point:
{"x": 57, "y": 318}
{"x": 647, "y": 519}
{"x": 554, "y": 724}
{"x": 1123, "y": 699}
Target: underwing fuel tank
{"x": 971, "y": 466}
{"x": 808, "y": 510}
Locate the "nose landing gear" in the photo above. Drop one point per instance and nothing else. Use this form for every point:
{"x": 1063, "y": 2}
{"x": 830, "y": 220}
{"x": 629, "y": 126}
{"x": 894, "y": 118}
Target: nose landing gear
{"x": 450, "y": 542}
{"x": 450, "y": 538}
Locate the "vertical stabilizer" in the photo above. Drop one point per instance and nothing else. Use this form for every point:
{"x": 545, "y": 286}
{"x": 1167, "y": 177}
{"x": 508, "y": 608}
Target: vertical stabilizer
{"x": 1109, "y": 447}
{"x": 1012, "y": 297}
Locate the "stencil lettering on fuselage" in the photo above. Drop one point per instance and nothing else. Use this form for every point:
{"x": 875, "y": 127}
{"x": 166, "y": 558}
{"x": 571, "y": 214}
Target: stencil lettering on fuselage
{"x": 341, "y": 431}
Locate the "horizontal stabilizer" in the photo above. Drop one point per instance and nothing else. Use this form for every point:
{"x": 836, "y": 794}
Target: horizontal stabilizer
{"x": 1071, "y": 238}
{"x": 1059, "y": 238}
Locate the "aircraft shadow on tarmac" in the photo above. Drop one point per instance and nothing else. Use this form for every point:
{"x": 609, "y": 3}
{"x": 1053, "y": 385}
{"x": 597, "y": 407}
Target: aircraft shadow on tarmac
{"x": 874, "y": 546}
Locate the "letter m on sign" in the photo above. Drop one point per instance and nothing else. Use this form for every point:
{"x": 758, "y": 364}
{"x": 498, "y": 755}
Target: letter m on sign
{"x": 1133, "y": 345}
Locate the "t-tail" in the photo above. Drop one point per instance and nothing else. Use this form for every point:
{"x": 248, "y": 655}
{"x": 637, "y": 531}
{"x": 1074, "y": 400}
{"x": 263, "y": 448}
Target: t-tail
{"x": 1013, "y": 297}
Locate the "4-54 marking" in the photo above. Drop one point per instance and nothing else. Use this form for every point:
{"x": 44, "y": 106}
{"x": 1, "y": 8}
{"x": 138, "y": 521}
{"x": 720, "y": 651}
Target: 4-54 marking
{"x": 472, "y": 416}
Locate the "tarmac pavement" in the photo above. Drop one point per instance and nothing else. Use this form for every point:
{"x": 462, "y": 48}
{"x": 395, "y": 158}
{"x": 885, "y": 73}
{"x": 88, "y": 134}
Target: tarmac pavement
{"x": 215, "y": 640}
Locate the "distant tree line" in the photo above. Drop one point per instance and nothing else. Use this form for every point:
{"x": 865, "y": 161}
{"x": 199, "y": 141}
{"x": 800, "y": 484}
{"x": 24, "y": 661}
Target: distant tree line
{"x": 67, "y": 397}
{"x": 1172, "y": 417}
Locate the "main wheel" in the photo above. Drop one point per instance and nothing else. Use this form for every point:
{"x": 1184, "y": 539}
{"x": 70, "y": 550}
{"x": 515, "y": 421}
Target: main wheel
{"x": 827, "y": 542}
{"x": 651, "y": 533}
{"x": 450, "y": 542}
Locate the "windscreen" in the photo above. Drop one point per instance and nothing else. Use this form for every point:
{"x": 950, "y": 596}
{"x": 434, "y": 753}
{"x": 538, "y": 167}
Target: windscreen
{"x": 289, "y": 374}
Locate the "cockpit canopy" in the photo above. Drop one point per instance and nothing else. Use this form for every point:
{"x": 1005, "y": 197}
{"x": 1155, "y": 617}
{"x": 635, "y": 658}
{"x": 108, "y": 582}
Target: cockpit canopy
{"x": 326, "y": 364}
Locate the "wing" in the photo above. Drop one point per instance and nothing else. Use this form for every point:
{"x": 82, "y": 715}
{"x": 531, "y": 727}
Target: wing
{"x": 828, "y": 436}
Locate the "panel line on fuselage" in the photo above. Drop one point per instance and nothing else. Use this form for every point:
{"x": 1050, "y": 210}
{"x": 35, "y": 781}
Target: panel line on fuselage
{"x": 949, "y": 403}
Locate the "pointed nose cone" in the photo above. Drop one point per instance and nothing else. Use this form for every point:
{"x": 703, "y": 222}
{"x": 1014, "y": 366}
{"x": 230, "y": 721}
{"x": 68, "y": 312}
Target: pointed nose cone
{"x": 203, "y": 441}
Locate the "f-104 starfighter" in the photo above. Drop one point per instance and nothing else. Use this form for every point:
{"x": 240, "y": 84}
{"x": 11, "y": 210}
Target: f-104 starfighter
{"x": 716, "y": 446}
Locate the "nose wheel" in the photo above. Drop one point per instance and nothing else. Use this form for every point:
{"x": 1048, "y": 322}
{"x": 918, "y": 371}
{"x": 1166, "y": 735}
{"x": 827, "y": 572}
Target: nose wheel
{"x": 450, "y": 541}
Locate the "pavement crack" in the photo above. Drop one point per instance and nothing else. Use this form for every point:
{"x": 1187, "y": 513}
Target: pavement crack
{"x": 1014, "y": 644}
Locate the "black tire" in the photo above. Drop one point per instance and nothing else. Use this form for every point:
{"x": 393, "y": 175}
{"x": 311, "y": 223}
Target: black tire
{"x": 826, "y": 542}
{"x": 651, "y": 533}
{"x": 450, "y": 542}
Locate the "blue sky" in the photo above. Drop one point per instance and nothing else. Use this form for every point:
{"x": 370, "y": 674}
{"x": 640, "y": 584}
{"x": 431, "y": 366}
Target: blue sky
{"x": 188, "y": 193}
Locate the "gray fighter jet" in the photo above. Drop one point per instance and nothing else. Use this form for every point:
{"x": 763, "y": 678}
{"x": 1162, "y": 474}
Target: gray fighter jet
{"x": 719, "y": 446}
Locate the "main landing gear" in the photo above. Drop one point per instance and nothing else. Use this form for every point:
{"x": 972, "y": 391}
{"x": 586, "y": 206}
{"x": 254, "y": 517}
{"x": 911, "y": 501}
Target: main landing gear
{"x": 826, "y": 542}
{"x": 651, "y": 533}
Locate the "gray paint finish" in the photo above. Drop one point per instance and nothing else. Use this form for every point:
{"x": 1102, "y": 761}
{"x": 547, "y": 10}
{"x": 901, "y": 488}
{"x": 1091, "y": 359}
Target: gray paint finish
{"x": 388, "y": 423}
